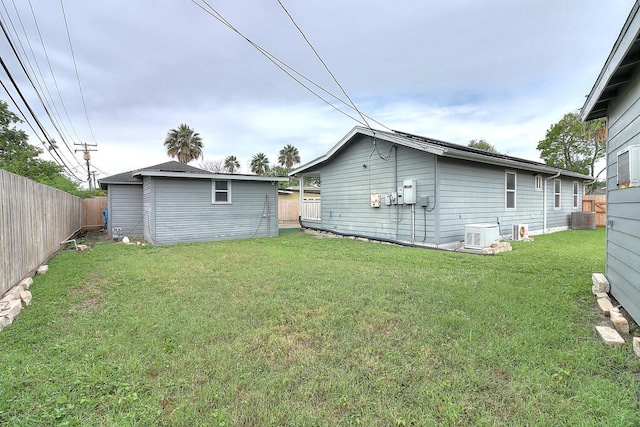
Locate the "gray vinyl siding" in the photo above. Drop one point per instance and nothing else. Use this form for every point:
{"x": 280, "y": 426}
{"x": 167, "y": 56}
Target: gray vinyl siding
{"x": 623, "y": 205}
{"x": 148, "y": 211}
{"x": 125, "y": 209}
{"x": 467, "y": 193}
{"x": 184, "y": 211}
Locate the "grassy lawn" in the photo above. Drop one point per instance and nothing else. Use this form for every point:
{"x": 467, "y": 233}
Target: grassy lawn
{"x": 301, "y": 331}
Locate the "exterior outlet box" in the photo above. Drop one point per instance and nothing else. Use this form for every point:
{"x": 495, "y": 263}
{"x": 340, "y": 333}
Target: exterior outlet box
{"x": 394, "y": 198}
{"x": 409, "y": 187}
{"x": 423, "y": 201}
{"x": 387, "y": 199}
{"x": 375, "y": 201}
{"x": 400, "y": 197}
{"x": 478, "y": 236}
{"x": 629, "y": 167}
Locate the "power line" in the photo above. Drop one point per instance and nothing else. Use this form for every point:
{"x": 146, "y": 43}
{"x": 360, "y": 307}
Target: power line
{"x": 280, "y": 64}
{"x": 323, "y": 63}
{"x": 75, "y": 66}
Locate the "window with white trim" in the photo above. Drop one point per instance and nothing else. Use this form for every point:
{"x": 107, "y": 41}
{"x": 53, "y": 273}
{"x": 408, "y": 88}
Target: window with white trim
{"x": 537, "y": 179}
{"x": 510, "y": 190}
{"x": 557, "y": 187}
{"x": 576, "y": 188}
{"x": 220, "y": 191}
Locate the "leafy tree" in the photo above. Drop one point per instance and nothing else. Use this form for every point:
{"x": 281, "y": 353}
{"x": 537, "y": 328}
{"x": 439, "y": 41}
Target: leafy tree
{"x": 214, "y": 166}
{"x": 183, "y": 143}
{"x": 573, "y": 144}
{"x": 482, "y": 144}
{"x": 20, "y": 157}
{"x": 260, "y": 164}
{"x": 231, "y": 164}
{"x": 289, "y": 156}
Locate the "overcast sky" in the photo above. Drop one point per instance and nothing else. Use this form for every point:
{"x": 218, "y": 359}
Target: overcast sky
{"x": 502, "y": 70}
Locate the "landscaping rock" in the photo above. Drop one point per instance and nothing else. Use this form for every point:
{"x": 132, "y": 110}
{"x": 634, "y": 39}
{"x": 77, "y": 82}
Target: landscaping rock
{"x": 610, "y": 336}
{"x": 636, "y": 346}
{"x": 600, "y": 283}
{"x": 42, "y": 269}
{"x": 26, "y": 283}
{"x": 82, "y": 248}
{"x": 605, "y": 305}
{"x": 11, "y": 310}
{"x": 602, "y": 295}
{"x": 25, "y": 297}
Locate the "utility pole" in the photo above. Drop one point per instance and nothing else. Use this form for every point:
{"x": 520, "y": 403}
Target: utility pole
{"x": 95, "y": 183}
{"x": 87, "y": 158}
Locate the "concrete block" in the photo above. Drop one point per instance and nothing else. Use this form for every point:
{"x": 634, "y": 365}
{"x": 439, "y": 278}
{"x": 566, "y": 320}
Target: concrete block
{"x": 620, "y": 323}
{"x": 82, "y": 248}
{"x": 610, "y": 336}
{"x": 42, "y": 269}
{"x": 26, "y": 283}
{"x": 602, "y": 295}
{"x": 25, "y": 296}
{"x": 600, "y": 283}
{"x": 4, "y": 321}
{"x": 636, "y": 346}
{"x": 605, "y": 305}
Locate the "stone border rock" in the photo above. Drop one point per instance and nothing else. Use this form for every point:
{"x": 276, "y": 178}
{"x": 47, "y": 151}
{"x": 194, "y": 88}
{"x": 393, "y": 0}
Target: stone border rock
{"x": 17, "y": 297}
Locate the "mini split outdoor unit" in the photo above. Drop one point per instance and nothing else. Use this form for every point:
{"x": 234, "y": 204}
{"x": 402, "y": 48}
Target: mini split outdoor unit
{"x": 520, "y": 232}
{"x": 478, "y": 236}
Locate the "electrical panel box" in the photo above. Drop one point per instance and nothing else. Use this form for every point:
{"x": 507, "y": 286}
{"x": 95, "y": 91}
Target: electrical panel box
{"x": 394, "y": 198}
{"x": 387, "y": 199}
{"x": 375, "y": 200}
{"x": 400, "y": 198}
{"x": 409, "y": 188}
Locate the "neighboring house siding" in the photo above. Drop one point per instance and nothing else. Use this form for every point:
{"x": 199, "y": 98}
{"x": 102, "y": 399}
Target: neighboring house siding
{"x": 467, "y": 193}
{"x": 125, "y": 209}
{"x": 623, "y": 205}
{"x": 148, "y": 202}
{"x": 184, "y": 212}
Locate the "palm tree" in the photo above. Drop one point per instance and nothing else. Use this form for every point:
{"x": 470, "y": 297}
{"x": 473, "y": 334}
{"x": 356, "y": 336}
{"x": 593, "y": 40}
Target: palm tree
{"x": 260, "y": 164}
{"x": 183, "y": 143}
{"x": 231, "y": 164}
{"x": 289, "y": 156}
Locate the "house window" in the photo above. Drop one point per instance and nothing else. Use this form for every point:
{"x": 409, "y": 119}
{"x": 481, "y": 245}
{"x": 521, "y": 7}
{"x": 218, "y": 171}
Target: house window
{"x": 221, "y": 191}
{"x": 510, "y": 190}
{"x": 576, "y": 187}
{"x": 538, "y": 182}
{"x": 556, "y": 193}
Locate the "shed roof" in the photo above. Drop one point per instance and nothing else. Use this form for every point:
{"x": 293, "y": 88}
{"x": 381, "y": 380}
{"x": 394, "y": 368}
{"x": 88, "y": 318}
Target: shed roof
{"x": 617, "y": 69}
{"x": 439, "y": 148}
{"x": 175, "y": 169}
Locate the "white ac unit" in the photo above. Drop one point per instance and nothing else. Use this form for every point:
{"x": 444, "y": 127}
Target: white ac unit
{"x": 520, "y": 232}
{"x": 478, "y": 236}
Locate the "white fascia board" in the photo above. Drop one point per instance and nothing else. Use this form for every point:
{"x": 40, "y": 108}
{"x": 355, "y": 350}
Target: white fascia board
{"x": 231, "y": 177}
{"x": 620, "y": 48}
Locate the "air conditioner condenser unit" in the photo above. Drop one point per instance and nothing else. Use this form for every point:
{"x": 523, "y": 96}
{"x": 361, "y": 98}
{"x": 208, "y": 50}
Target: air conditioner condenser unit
{"x": 520, "y": 231}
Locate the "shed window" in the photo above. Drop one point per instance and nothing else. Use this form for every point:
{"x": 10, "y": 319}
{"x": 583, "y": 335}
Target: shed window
{"x": 221, "y": 192}
{"x": 510, "y": 190}
{"x": 556, "y": 193}
{"x": 538, "y": 182}
{"x": 576, "y": 187}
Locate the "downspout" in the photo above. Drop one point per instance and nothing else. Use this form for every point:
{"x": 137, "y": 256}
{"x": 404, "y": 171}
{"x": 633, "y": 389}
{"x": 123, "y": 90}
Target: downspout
{"x": 300, "y": 184}
{"x": 544, "y": 203}
{"x": 395, "y": 177}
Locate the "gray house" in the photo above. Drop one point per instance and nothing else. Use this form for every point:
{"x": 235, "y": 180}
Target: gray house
{"x": 173, "y": 203}
{"x": 406, "y": 188}
{"x": 616, "y": 96}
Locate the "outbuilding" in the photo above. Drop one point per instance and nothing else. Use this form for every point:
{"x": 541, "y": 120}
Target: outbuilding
{"x": 175, "y": 203}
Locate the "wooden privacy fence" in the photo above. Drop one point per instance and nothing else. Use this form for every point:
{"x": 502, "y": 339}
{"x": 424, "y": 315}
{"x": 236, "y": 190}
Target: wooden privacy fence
{"x": 34, "y": 219}
{"x": 92, "y": 216}
{"x": 598, "y": 204}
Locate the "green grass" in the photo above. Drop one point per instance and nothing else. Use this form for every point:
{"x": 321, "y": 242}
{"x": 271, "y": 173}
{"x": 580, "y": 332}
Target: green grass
{"x": 302, "y": 331}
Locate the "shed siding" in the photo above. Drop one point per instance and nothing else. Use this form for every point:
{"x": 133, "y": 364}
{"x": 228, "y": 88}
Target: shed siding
{"x": 467, "y": 193}
{"x": 184, "y": 212}
{"x": 623, "y": 205}
{"x": 125, "y": 209}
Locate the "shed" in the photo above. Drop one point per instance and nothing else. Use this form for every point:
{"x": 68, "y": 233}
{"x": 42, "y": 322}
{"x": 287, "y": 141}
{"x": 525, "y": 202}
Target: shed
{"x": 396, "y": 186}
{"x": 616, "y": 96}
{"x": 174, "y": 203}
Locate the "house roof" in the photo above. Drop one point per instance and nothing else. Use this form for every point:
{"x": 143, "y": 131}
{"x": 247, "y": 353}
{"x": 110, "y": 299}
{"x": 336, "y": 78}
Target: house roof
{"x": 175, "y": 169}
{"x": 437, "y": 147}
{"x": 617, "y": 69}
